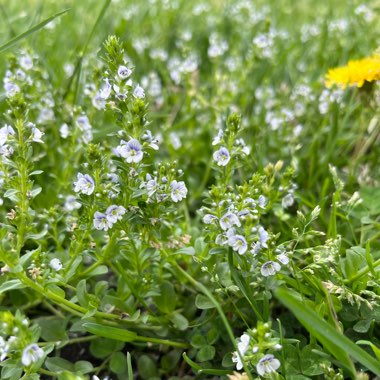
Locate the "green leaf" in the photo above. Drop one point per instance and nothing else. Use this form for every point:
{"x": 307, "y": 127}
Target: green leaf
{"x": 33, "y": 29}
{"x": 146, "y": 367}
{"x": 101, "y": 348}
{"x": 206, "y": 353}
{"x": 83, "y": 367}
{"x": 336, "y": 343}
{"x": 110, "y": 332}
{"x": 52, "y": 329}
{"x": 11, "y": 284}
{"x": 118, "y": 363}
{"x": 82, "y": 294}
{"x": 362, "y": 326}
{"x": 166, "y": 301}
{"x": 203, "y": 303}
{"x": 189, "y": 251}
{"x": 129, "y": 365}
{"x": 375, "y": 350}
{"x": 57, "y": 364}
{"x": 179, "y": 321}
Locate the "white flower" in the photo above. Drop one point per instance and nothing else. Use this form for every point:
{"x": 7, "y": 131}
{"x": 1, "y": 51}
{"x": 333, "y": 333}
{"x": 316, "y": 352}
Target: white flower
{"x": 228, "y": 220}
{"x": 115, "y": 213}
{"x": 262, "y": 201}
{"x": 5, "y": 132}
{"x": 242, "y": 347}
{"x": 267, "y": 364}
{"x": 209, "y": 218}
{"x": 283, "y": 258}
{"x": 56, "y": 264}
{"x": 263, "y": 237}
{"x": 270, "y": 268}
{"x": 178, "y": 191}
{"x": 139, "y": 92}
{"x": 4, "y": 347}
{"x": 222, "y": 156}
{"x": 26, "y": 62}
{"x": 98, "y": 102}
{"x": 151, "y": 186}
{"x": 11, "y": 89}
{"x": 287, "y": 201}
{"x": 238, "y": 243}
{"x": 36, "y": 135}
{"x": 64, "y": 131}
{"x": 255, "y": 248}
{"x": 120, "y": 95}
{"x": 84, "y": 184}
{"x": 71, "y": 203}
{"x": 31, "y": 354}
{"x": 105, "y": 90}
{"x": 101, "y": 222}
{"x": 130, "y": 150}
{"x": 218, "y": 138}
{"x": 124, "y": 72}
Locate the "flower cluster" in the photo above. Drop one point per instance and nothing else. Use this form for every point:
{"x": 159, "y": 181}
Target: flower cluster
{"x": 253, "y": 347}
{"x": 105, "y": 221}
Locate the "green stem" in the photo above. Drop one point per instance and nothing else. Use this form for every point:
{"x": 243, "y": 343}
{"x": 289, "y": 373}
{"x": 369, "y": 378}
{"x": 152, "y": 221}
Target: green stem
{"x": 227, "y": 326}
{"x": 362, "y": 272}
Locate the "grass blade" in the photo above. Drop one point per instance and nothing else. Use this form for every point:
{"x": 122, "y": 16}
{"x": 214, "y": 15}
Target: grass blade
{"x": 129, "y": 366}
{"x": 30, "y": 31}
{"x": 338, "y": 344}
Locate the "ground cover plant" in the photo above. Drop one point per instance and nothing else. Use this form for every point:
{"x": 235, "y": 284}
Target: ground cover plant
{"x": 189, "y": 190}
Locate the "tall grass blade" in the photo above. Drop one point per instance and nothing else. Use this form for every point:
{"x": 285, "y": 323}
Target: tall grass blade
{"x": 30, "y": 31}
{"x": 336, "y": 343}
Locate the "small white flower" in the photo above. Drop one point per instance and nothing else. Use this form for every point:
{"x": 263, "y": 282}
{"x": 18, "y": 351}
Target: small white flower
{"x": 238, "y": 243}
{"x": 26, "y": 62}
{"x": 84, "y": 184}
{"x": 287, "y": 201}
{"x": 123, "y": 72}
{"x": 151, "y": 186}
{"x": 105, "y": 90}
{"x": 130, "y": 150}
{"x": 5, "y": 132}
{"x": 270, "y": 268}
{"x": 283, "y": 258}
{"x": 209, "y": 218}
{"x": 267, "y": 364}
{"x": 119, "y": 94}
{"x": 228, "y": 220}
{"x": 178, "y": 191}
{"x": 98, "y": 102}
{"x": 56, "y": 264}
{"x": 139, "y": 92}
{"x": 11, "y": 89}
{"x": 31, "y": 354}
{"x": 4, "y": 347}
{"x": 36, "y": 135}
{"x": 255, "y": 248}
{"x": 262, "y": 201}
{"x": 101, "y": 222}
{"x": 242, "y": 346}
{"x": 263, "y": 237}
{"x": 115, "y": 213}
{"x": 64, "y": 131}
{"x": 71, "y": 203}
{"x": 218, "y": 138}
{"x": 222, "y": 156}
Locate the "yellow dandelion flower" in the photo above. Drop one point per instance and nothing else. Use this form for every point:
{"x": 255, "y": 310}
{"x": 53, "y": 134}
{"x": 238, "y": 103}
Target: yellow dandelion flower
{"x": 355, "y": 73}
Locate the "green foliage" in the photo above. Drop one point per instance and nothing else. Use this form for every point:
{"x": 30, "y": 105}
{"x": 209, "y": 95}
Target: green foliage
{"x": 181, "y": 196}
